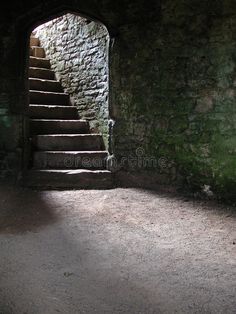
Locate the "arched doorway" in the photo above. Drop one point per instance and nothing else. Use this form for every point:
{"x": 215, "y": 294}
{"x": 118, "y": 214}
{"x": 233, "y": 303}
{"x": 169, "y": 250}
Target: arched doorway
{"x": 68, "y": 71}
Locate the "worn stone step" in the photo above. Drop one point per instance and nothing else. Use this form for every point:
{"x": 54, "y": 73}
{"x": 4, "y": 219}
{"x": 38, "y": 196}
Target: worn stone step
{"x": 72, "y": 142}
{"x": 34, "y": 41}
{"x": 37, "y": 52}
{"x": 53, "y": 112}
{"x": 39, "y": 62}
{"x": 70, "y": 160}
{"x": 45, "y": 85}
{"x": 39, "y": 97}
{"x": 49, "y": 126}
{"x": 83, "y": 179}
{"x": 41, "y": 73}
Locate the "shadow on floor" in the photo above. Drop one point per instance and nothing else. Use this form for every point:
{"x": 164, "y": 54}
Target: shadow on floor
{"x": 23, "y": 210}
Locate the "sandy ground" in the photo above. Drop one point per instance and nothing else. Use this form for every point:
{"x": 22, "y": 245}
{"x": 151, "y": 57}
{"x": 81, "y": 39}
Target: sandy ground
{"x": 115, "y": 251}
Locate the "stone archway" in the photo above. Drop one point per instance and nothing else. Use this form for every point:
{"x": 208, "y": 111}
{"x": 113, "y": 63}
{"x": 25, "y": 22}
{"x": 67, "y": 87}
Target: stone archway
{"x": 61, "y": 73}
{"x": 29, "y": 21}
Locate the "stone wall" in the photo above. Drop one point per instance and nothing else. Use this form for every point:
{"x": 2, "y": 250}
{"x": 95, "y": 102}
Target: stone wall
{"x": 178, "y": 105}
{"x": 172, "y": 79}
{"x": 78, "y": 51}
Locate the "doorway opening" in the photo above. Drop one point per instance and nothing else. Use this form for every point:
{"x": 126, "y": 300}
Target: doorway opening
{"x": 68, "y": 98}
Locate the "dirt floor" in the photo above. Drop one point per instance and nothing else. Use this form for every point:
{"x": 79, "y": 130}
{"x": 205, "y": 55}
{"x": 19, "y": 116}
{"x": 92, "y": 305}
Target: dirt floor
{"x": 115, "y": 251}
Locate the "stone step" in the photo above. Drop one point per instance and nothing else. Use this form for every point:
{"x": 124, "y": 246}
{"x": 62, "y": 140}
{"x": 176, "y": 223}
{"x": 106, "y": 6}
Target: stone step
{"x": 70, "y": 160}
{"x": 39, "y": 62}
{"x": 37, "y": 52}
{"x": 34, "y": 41}
{"x": 64, "y": 179}
{"x": 46, "y": 126}
{"x": 39, "y": 97}
{"x": 41, "y": 73}
{"x": 45, "y": 85}
{"x": 72, "y": 142}
{"x": 53, "y": 112}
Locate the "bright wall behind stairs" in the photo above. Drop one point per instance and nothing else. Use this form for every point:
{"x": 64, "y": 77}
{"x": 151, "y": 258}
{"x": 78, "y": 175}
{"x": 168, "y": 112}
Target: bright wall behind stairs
{"x": 78, "y": 52}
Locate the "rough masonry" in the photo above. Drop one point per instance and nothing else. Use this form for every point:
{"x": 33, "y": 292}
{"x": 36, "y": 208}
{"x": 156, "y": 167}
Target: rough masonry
{"x": 78, "y": 52}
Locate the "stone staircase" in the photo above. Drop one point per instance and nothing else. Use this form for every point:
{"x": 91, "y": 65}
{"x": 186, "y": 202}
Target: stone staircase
{"x": 64, "y": 152}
